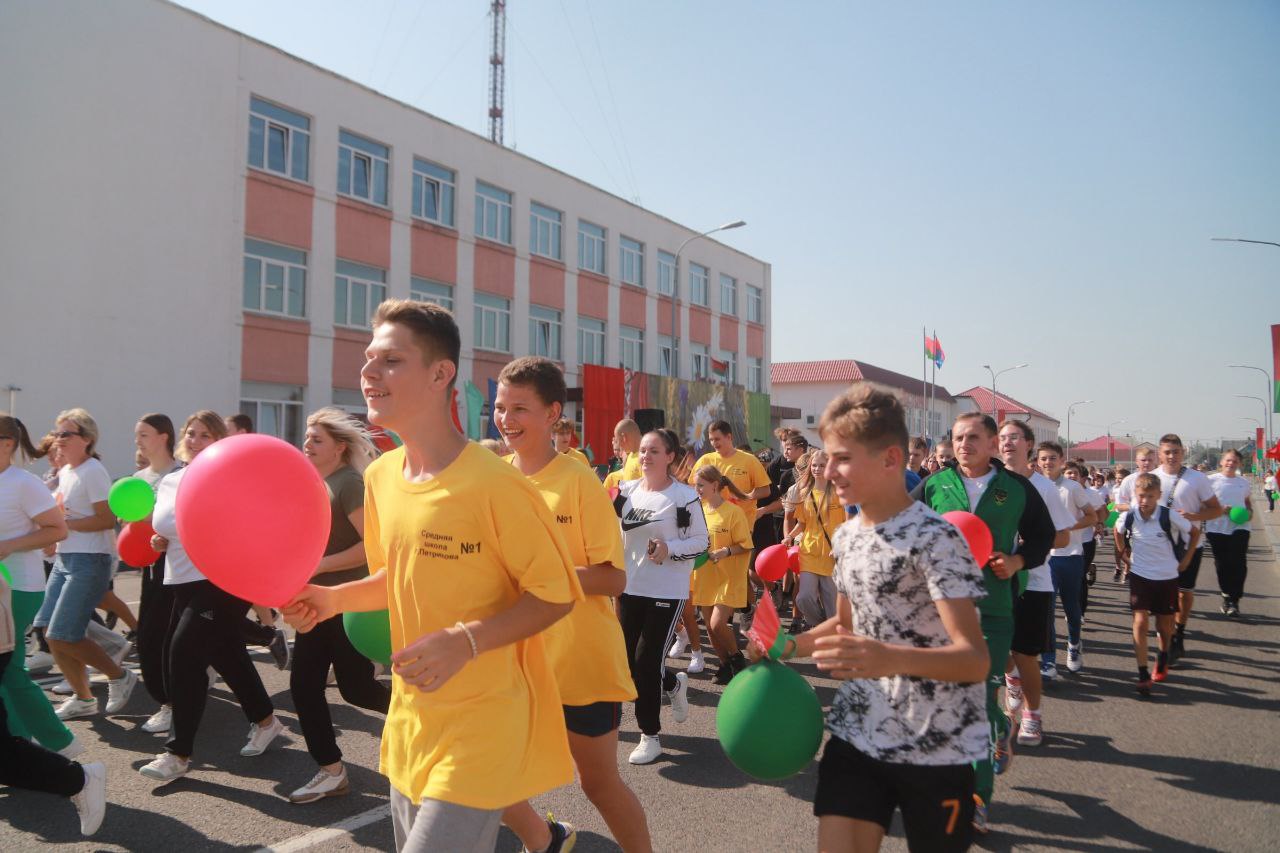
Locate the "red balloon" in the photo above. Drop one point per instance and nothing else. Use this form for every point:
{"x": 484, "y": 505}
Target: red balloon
{"x": 134, "y": 544}
{"x": 772, "y": 563}
{"x": 975, "y": 532}
{"x": 793, "y": 558}
{"x": 253, "y": 515}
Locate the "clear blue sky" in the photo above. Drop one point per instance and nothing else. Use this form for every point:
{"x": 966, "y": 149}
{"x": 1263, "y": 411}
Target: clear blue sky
{"x": 1037, "y": 182}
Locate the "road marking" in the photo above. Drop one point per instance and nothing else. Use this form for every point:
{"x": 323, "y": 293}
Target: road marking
{"x": 330, "y": 833}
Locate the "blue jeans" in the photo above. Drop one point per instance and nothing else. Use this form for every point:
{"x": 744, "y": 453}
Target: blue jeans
{"x": 75, "y": 586}
{"x": 1068, "y": 577}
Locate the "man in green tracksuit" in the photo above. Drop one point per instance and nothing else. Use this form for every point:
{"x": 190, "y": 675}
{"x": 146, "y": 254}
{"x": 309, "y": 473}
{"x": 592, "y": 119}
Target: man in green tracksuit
{"x": 1022, "y": 533}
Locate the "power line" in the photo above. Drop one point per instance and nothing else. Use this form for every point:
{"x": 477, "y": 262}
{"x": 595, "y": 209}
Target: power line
{"x": 408, "y": 34}
{"x": 377, "y": 51}
{"x": 613, "y": 102}
{"x": 481, "y": 21}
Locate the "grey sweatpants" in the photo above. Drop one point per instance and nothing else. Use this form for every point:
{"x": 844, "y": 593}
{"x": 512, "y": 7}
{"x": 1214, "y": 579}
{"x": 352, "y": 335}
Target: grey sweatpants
{"x": 816, "y": 598}
{"x": 437, "y": 826}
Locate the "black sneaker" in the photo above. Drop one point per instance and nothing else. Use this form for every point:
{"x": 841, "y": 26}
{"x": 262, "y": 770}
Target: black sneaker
{"x": 1176, "y": 649}
{"x": 279, "y": 649}
{"x": 738, "y": 662}
{"x": 1232, "y": 609}
{"x": 1091, "y": 575}
{"x": 724, "y": 674}
{"x": 563, "y": 835}
{"x": 1226, "y": 605}
{"x": 1116, "y": 577}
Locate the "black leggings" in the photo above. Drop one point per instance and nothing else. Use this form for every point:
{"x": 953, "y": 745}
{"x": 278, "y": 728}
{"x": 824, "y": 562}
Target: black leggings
{"x": 155, "y": 613}
{"x": 1230, "y": 558}
{"x": 313, "y": 652}
{"x": 648, "y": 627}
{"x": 1090, "y": 549}
{"x": 24, "y": 764}
{"x": 205, "y": 631}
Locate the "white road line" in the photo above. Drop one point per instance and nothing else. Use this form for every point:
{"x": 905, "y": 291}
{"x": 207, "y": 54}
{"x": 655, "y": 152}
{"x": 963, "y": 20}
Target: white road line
{"x": 330, "y": 833}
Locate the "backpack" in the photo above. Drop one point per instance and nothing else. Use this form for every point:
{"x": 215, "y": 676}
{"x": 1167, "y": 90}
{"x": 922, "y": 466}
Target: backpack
{"x": 1162, "y": 515}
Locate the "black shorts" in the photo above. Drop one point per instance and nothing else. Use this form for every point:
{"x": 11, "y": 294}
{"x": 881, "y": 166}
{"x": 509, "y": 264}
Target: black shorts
{"x": 1032, "y": 616}
{"x": 1159, "y": 598}
{"x": 598, "y": 718}
{"x": 936, "y": 801}
{"x": 1187, "y": 580}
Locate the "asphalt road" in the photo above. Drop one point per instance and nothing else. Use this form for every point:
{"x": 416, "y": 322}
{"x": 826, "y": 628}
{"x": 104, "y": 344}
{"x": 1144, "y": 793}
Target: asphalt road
{"x": 1195, "y": 767}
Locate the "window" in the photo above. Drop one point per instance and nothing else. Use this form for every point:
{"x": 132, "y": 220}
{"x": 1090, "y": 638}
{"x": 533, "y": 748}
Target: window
{"x": 425, "y": 290}
{"x": 279, "y": 139}
{"x": 935, "y": 423}
{"x": 730, "y": 362}
{"x": 631, "y": 261}
{"x": 631, "y": 348}
{"x": 493, "y": 323}
{"x": 664, "y": 356}
{"x": 351, "y": 402}
{"x": 666, "y": 272}
{"x": 544, "y": 332}
{"x": 591, "y": 242}
{"x": 699, "y": 284}
{"x": 590, "y": 341}
{"x": 275, "y": 279}
{"x": 362, "y": 168}
{"x": 545, "y": 226}
{"x": 755, "y": 304}
{"x": 493, "y": 213}
{"x": 728, "y": 295}
{"x": 275, "y": 409}
{"x": 358, "y": 290}
{"x": 433, "y": 188}
{"x": 755, "y": 374}
{"x": 701, "y": 361}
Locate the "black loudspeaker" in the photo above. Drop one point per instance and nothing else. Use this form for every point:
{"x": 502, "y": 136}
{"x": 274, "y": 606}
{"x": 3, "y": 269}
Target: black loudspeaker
{"x": 650, "y": 419}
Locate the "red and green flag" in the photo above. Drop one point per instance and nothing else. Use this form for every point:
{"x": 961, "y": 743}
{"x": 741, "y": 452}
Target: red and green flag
{"x": 933, "y": 349}
{"x": 720, "y": 368}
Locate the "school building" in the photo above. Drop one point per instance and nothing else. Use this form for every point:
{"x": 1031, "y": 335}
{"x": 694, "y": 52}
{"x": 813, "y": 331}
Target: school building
{"x": 196, "y": 219}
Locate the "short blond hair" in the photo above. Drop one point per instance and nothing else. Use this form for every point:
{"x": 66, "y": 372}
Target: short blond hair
{"x": 86, "y": 424}
{"x": 868, "y": 416}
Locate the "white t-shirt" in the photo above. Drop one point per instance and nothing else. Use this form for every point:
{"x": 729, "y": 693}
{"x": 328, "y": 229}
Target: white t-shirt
{"x": 1231, "y": 491}
{"x": 1072, "y": 496}
{"x": 1099, "y": 501}
{"x": 1191, "y": 493}
{"x": 23, "y": 496}
{"x": 653, "y": 515}
{"x": 1040, "y": 579}
{"x": 178, "y": 567}
{"x": 1124, "y": 492}
{"x": 80, "y": 488}
{"x": 975, "y": 486}
{"x": 1270, "y": 483}
{"x": 1152, "y": 553}
{"x": 1105, "y": 491}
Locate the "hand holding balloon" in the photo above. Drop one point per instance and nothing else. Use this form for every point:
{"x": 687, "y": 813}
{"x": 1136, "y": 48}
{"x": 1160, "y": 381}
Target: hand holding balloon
{"x": 1005, "y": 566}
{"x": 847, "y": 655}
{"x": 310, "y": 607}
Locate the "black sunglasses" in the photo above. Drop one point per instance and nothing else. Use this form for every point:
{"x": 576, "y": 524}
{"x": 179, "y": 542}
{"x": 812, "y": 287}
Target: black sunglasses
{"x": 61, "y": 435}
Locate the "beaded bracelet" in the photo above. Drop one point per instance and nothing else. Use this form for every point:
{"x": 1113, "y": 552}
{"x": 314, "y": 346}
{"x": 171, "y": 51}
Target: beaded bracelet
{"x": 470, "y": 638}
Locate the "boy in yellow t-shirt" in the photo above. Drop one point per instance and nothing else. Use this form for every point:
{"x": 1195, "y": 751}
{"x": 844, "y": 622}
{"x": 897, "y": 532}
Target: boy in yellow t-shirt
{"x": 738, "y": 466}
{"x": 469, "y": 562}
{"x": 817, "y": 513}
{"x": 562, "y": 433}
{"x": 586, "y": 648}
{"x": 720, "y": 585}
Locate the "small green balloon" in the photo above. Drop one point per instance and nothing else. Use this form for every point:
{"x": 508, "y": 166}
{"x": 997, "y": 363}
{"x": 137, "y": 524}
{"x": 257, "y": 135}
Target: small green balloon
{"x": 4, "y": 573}
{"x": 131, "y": 499}
{"x": 1111, "y": 507}
{"x": 1238, "y": 514}
{"x": 769, "y": 721}
{"x": 1111, "y": 519}
{"x": 701, "y": 560}
{"x": 370, "y": 633}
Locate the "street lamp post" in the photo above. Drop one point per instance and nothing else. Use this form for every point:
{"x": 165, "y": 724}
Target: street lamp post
{"x": 1111, "y": 456}
{"x": 1070, "y": 409}
{"x": 674, "y": 368}
{"x": 994, "y": 375}
{"x": 1271, "y": 390}
{"x": 1265, "y": 407}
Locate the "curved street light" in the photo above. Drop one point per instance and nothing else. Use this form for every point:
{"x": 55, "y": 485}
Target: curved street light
{"x": 1070, "y": 409}
{"x": 994, "y": 375}
{"x": 674, "y": 367}
{"x": 1269, "y": 432}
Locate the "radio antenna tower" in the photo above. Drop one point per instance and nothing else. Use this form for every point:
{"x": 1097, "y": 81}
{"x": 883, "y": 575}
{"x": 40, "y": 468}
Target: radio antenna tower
{"x": 497, "y": 68}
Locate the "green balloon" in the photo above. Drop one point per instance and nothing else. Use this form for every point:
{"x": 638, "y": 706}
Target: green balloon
{"x": 1238, "y": 514}
{"x": 370, "y": 633}
{"x": 1111, "y": 507}
{"x": 701, "y": 560}
{"x": 4, "y": 573}
{"x": 769, "y": 721}
{"x": 131, "y": 499}
{"x": 1111, "y": 519}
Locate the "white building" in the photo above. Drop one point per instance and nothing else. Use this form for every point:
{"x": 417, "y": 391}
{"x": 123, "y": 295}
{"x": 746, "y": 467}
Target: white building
{"x": 979, "y": 399}
{"x": 195, "y": 219}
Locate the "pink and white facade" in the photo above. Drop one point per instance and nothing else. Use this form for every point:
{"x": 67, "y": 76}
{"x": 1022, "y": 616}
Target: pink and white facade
{"x": 195, "y": 219}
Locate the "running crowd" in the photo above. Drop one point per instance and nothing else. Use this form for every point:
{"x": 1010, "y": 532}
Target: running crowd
{"x": 555, "y": 598}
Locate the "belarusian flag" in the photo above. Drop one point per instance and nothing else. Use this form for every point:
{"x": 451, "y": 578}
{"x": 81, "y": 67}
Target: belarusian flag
{"x": 719, "y": 368}
{"x": 933, "y": 349}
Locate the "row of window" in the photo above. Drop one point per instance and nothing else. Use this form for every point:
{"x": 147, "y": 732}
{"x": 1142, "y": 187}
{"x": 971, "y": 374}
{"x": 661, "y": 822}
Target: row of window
{"x": 279, "y": 142}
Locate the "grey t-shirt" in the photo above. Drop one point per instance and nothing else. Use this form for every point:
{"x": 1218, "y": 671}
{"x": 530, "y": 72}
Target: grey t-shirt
{"x": 346, "y": 495}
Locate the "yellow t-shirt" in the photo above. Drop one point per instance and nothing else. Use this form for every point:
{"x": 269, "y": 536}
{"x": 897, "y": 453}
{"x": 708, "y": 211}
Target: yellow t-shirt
{"x": 630, "y": 470}
{"x": 465, "y": 545}
{"x": 586, "y": 648}
{"x": 724, "y": 582}
{"x": 817, "y": 512}
{"x": 575, "y": 453}
{"x": 743, "y": 469}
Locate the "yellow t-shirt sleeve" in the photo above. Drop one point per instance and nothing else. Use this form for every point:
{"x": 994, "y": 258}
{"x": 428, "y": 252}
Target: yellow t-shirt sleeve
{"x": 373, "y": 554}
{"x": 538, "y": 564}
{"x": 600, "y": 531}
{"x": 693, "y": 472}
{"x": 612, "y": 479}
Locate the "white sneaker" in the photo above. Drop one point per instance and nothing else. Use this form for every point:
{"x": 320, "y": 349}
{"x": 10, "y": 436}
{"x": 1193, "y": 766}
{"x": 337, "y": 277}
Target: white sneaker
{"x": 159, "y": 722}
{"x": 680, "y": 698}
{"x": 62, "y": 688}
{"x": 39, "y": 660}
{"x": 323, "y": 784}
{"x": 681, "y": 643}
{"x": 1075, "y": 656}
{"x": 72, "y": 749}
{"x": 647, "y": 751}
{"x": 260, "y": 738}
{"x": 1012, "y": 696}
{"x": 1031, "y": 732}
{"x": 118, "y": 656}
{"x": 91, "y": 802}
{"x": 697, "y": 664}
{"x": 77, "y": 707}
{"x": 119, "y": 690}
{"x": 165, "y": 768}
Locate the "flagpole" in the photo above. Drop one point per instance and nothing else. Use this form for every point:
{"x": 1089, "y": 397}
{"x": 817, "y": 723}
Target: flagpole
{"x": 924, "y": 375}
{"x": 933, "y": 391}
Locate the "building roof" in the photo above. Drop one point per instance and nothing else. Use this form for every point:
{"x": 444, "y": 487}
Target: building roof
{"x": 846, "y": 370}
{"x": 982, "y": 398}
{"x": 1101, "y": 443}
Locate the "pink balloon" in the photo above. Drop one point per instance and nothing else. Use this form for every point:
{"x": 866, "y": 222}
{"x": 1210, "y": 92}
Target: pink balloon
{"x": 253, "y": 515}
{"x": 975, "y": 532}
{"x": 771, "y": 563}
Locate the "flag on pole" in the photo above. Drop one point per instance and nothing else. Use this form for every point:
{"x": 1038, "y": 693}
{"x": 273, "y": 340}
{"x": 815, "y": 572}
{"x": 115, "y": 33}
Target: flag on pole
{"x": 1274, "y": 453}
{"x": 719, "y": 368}
{"x": 933, "y": 349}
